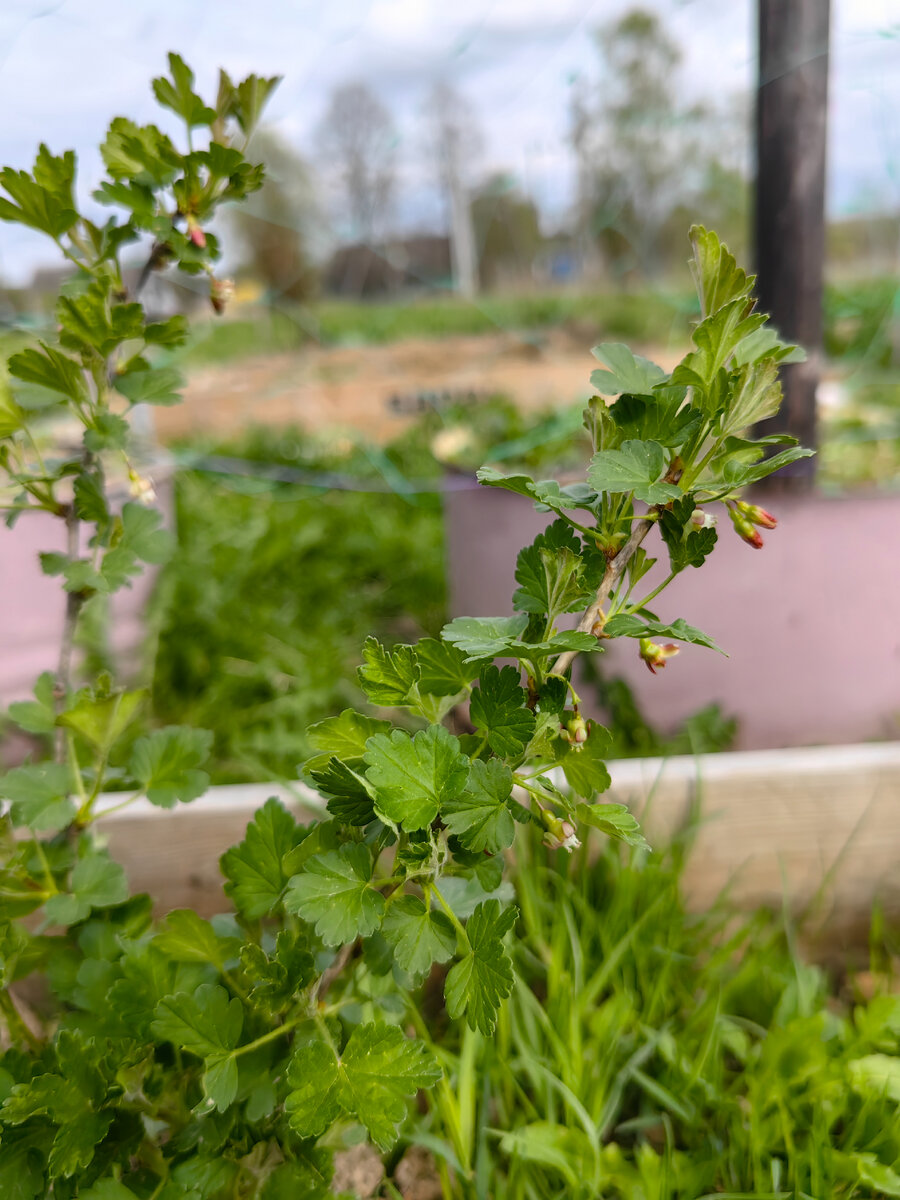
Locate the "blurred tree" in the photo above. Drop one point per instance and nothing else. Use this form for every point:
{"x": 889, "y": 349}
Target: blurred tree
{"x": 645, "y": 160}
{"x": 455, "y": 143}
{"x": 358, "y": 140}
{"x": 278, "y": 226}
{"x": 507, "y": 231}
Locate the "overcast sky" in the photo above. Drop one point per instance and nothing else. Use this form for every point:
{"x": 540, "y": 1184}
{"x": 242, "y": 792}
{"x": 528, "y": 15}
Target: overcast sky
{"x": 67, "y": 66}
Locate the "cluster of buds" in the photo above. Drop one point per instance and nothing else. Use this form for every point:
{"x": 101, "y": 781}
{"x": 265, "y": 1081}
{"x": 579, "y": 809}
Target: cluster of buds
{"x": 560, "y": 833}
{"x": 220, "y": 292}
{"x": 656, "y": 656}
{"x": 745, "y": 517}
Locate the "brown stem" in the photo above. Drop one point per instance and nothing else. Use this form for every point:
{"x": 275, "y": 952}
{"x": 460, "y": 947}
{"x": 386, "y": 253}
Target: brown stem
{"x": 331, "y": 973}
{"x": 615, "y": 569}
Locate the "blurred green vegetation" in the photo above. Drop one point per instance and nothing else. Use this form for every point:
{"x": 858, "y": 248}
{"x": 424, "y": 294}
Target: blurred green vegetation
{"x": 260, "y": 616}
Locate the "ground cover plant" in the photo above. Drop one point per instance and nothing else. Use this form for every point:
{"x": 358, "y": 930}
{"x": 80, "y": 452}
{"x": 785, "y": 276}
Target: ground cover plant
{"x": 188, "y": 1059}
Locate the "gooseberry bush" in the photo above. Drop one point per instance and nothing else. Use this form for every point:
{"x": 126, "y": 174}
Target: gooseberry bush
{"x": 189, "y": 1059}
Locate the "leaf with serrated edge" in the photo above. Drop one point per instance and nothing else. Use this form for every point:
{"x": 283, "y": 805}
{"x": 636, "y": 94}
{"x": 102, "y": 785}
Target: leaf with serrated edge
{"x": 635, "y": 467}
{"x": 254, "y": 868}
{"x": 615, "y": 820}
{"x": 477, "y": 983}
{"x": 388, "y": 677}
{"x": 629, "y": 625}
{"x": 498, "y": 710}
{"x": 414, "y": 776}
{"x": 480, "y": 816}
{"x": 419, "y": 937}
{"x": 334, "y": 891}
{"x": 379, "y": 1068}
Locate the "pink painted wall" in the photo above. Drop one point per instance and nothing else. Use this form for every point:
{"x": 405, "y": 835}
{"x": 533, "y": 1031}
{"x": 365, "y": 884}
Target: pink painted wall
{"x": 32, "y": 605}
{"x": 811, "y": 622}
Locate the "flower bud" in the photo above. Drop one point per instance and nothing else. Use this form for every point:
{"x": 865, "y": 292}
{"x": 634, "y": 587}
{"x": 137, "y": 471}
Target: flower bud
{"x": 575, "y": 731}
{"x": 702, "y": 520}
{"x": 757, "y": 515}
{"x": 656, "y": 656}
{"x": 560, "y": 834}
{"x": 196, "y": 234}
{"x": 141, "y": 488}
{"x": 746, "y": 529}
{"x": 220, "y": 292}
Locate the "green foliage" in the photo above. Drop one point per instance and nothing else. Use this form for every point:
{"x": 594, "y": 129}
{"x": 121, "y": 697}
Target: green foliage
{"x": 193, "y": 1060}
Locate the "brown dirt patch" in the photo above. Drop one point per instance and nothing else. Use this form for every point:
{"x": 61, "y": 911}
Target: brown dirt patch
{"x": 356, "y": 387}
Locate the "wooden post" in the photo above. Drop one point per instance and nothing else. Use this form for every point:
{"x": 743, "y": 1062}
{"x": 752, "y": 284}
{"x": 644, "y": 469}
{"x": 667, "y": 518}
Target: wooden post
{"x": 791, "y": 127}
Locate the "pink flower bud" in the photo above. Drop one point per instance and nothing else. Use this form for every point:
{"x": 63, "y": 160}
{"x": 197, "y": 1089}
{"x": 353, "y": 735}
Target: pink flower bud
{"x": 746, "y": 529}
{"x": 757, "y": 515}
{"x": 656, "y": 656}
{"x": 196, "y": 234}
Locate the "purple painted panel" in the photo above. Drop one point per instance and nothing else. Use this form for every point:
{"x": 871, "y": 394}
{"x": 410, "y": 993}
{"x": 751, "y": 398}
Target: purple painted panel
{"x": 809, "y": 622}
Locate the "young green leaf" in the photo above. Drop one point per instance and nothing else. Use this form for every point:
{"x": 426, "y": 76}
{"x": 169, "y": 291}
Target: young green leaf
{"x": 254, "y": 869}
{"x": 388, "y": 677}
{"x": 335, "y": 891}
{"x": 165, "y": 763}
{"x": 96, "y": 882}
{"x": 480, "y": 815}
{"x": 178, "y": 94}
{"x": 419, "y": 936}
{"x": 443, "y": 668}
{"x": 584, "y": 766}
{"x": 40, "y": 796}
{"x": 344, "y": 736}
{"x": 151, "y": 385}
{"x": 497, "y": 710}
{"x": 186, "y": 937}
{"x": 635, "y": 467}
{"x": 102, "y": 720}
{"x": 37, "y": 715}
{"x": 627, "y": 372}
{"x": 378, "y": 1069}
{"x": 615, "y": 820}
{"x": 550, "y": 572}
{"x": 205, "y": 1022}
{"x": 739, "y": 474}
{"x": 629, "y": 625}
{"x": 349, "y": 794}
{"x": 687, "y": 546}
{"x": 477, "y": 983}
{"x": 484, "y": 637}
{"x": 717, "y": 276}
{"x": 414, "y": 777}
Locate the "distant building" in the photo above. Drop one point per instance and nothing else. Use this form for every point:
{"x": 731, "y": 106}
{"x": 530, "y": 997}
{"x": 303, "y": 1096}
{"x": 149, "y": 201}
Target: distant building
{"x": 360, "y": 270}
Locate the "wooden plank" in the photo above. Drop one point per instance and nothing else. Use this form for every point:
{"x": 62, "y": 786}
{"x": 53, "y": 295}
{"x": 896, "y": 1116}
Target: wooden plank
{"x": 775, "y": 825}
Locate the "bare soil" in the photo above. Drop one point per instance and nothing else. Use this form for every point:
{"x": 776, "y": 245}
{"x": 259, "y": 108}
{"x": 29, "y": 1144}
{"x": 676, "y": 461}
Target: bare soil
{"x": 373, "y": 390}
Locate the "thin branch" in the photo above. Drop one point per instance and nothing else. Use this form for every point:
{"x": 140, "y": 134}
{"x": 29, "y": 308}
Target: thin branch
{"x": 74, "y": 602}
{"x": 330, "y": 974}
{"x": 615, "y": 569}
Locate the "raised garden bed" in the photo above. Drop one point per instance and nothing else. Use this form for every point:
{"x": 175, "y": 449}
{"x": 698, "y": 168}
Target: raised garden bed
{"x": 816, "y": 828}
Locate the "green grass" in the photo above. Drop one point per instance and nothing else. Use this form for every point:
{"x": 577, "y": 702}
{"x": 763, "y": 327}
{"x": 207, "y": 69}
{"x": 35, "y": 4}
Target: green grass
{"x": 633, "y": 316}
{"x": 651, "y": 1052}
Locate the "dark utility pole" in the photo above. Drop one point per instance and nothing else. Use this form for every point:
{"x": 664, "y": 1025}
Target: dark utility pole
{"x": 791, "y": 129}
